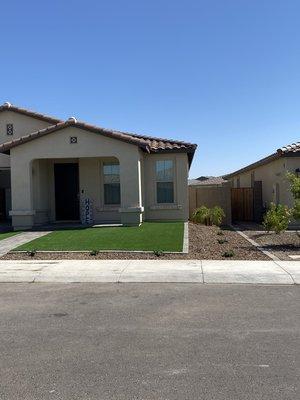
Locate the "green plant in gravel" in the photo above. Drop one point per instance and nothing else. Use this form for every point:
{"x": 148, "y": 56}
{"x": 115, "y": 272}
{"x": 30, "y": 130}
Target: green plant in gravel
{"x": 222, "y": 241}
{"x": 31, "y": 253}
{"x": 220, "y": 233}
{"x": 208, "y": 216}
{"x": 228, "y": 254}
{"x": 295, "y": 190}
{"x": 158, "y": 253}
{"x": 201, "y": 215}
{"x": 277, "y": 218}
{"x": 94, "y": 253}
{"x": 217, "y": 215}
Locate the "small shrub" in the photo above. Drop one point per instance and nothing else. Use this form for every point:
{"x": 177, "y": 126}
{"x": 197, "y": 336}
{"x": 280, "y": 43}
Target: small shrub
{"x": 208, "y": 216}
{"x": 228, "y": 254}
{"x": 296, "y": 209}
{"x": 94, "y": 253}
{"x": 277, "y": 218}
{"x": 31, "y": 253}
{"x": 294, "y": 180}
{"x": 220, "y": 233}
{"x": 158, "y": 253}
{"x": 222, "y": 241}
{"x": 217, "y": 215}
{"x": 201, "y": 216}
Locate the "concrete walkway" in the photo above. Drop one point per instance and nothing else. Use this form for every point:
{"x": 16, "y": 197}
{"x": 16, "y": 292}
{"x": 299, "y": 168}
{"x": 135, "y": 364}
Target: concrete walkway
{"x": 160, "y": 271}
{"x": 12, "y": 242}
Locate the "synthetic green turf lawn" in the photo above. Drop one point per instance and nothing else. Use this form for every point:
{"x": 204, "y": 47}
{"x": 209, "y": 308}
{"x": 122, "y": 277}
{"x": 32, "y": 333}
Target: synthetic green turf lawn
{"x": 163, "y": 236}
{"x": 4, "y": 235}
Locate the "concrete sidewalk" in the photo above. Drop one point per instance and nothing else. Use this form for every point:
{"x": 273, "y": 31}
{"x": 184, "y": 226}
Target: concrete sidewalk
{"x": 12, "y": 242}
{"x": 157, "y": 271}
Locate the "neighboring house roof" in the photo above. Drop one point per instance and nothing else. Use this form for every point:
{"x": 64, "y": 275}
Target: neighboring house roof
{"x": 207, "y": 180}
{"x": 9, "y": 107}
{"x": 290, "y": 150}
{"x": 147, "y": 143}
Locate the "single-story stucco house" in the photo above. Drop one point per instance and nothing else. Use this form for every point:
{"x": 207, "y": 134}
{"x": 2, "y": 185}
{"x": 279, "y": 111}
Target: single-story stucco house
{"x": 270, "y": 172}
{"x": 53, "y": 170}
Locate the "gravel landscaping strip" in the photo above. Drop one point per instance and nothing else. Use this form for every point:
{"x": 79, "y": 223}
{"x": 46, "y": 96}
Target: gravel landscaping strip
{"x": 205, "y": 242}
{"x": 281, "y": 245}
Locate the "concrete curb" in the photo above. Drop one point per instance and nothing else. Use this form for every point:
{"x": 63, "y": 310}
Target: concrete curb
{"x": 151, "y": 271}
{"x": 185, "y": 247}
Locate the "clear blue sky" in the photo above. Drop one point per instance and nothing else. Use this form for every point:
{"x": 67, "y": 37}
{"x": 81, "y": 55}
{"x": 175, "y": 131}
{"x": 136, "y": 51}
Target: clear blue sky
{"x": 221, "y": 73}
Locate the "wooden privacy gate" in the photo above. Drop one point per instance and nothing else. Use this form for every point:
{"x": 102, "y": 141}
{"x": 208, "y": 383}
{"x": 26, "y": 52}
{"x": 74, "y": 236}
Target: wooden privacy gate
{"x": 242, "y": 204}
{"x": 246, "y": 203}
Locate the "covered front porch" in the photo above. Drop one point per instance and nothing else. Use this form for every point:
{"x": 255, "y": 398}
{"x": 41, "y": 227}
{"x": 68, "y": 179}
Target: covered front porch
{"x": 85, "y": 190}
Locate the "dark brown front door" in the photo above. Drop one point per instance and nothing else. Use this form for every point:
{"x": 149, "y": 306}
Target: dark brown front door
{"x": 66, "y": 191}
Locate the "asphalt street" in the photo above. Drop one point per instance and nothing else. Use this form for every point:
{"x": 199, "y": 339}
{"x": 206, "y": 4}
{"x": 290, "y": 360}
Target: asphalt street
{"x": 149, "y": 342}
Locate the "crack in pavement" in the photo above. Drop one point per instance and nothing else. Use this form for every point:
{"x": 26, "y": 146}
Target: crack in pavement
{"x": 287, "y": 272}
{"x": 122, "y": 271}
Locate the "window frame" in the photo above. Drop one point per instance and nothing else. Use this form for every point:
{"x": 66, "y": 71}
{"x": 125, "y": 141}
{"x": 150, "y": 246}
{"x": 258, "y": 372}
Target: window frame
{"x": 108, "y": 205}
{"x": 156, "y": 181}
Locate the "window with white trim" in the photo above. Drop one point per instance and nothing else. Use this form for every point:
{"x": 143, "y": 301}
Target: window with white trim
{"x": 164, "y": 181}
{"x": 111, "y": 177}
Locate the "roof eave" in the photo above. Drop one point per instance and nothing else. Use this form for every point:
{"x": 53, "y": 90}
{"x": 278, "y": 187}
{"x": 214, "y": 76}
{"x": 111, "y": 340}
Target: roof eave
{"x": 29, "y": 113}
{"x": 189, "y": 151}
{"x": 256, "y": 164}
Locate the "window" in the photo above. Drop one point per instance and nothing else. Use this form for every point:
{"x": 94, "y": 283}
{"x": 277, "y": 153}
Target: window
{"x": 164, "y": 181}
{"x": 111, "y": 174}
{"x": 9, "y": 129}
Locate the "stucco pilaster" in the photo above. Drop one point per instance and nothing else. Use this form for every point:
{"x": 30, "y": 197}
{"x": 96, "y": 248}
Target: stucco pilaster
{"x": 21, "y": 191}
{"x": 131, "y": 190}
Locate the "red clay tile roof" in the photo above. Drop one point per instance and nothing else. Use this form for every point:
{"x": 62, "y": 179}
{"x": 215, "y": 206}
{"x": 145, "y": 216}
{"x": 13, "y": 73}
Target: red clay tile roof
{"x": 9, "y": 107}
{"x": 289, "y": 150}
{"x": 146, "y": 143}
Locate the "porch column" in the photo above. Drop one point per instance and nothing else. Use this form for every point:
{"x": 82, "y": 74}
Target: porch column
{"x": 21, "y": 192}
{"x": 131, "y": 191}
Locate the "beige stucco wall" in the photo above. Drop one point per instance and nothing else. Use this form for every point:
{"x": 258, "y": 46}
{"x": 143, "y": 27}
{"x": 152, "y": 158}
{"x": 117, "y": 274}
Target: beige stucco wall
{"x": 178, "y": 210}
{"x": 33, "y": 177}
{"x": 271, "y": 174}
{"x": 22, "y": 125}
{"x": 91, "y": 183}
